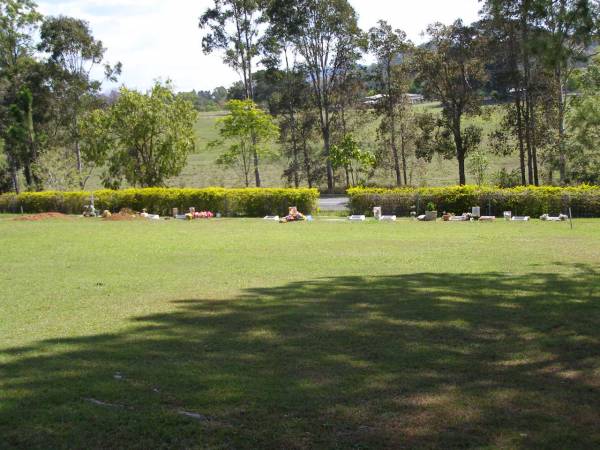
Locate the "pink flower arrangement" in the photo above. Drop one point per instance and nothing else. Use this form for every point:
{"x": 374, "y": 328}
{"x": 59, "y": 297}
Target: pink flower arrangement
{"x": 203, "y": 215}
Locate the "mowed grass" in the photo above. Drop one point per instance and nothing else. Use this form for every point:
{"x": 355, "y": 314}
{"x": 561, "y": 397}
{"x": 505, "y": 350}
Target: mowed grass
{"x": 202, "y": 170}
{"x": 240, "y": 333}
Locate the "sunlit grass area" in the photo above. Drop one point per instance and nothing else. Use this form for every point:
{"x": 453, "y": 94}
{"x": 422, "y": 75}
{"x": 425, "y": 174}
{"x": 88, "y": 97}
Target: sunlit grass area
{"x": 242, "y": 333}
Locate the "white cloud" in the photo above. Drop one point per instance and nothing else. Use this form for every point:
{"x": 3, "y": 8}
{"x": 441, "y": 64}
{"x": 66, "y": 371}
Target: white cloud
{"x": 161, "y": 39}
{"x": 413, "y": 16}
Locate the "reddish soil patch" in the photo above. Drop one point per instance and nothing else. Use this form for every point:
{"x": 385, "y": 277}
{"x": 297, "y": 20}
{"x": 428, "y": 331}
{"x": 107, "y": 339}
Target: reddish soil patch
{"x": 42, "y": 216}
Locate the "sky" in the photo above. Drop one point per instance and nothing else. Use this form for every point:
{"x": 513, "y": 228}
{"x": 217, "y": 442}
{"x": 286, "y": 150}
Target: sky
{"x": 160, "y": 39}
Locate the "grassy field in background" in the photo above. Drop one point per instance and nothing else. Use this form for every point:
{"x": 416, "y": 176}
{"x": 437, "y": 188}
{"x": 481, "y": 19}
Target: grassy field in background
{"x": 241, "y": 333}
{"x": 202, "y": 171}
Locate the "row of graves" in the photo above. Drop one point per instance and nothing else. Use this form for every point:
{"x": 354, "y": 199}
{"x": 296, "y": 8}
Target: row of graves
{"x": 431, "y": 215}
{"x": 126, "y": 213}
{"x": 474, "y": 215}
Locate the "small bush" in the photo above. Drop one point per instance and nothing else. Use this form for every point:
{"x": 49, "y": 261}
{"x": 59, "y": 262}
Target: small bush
{"x": 229, "y": 202}
{"x": 532, "y": 201}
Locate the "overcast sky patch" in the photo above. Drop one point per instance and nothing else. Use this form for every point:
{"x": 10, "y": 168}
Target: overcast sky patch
{"x": 157, "y": 39}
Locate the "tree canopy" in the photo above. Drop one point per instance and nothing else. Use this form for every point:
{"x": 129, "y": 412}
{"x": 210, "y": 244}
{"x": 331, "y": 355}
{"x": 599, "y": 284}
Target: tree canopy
{"x": 247, "y": 129}
{"x": 143, "y": 139}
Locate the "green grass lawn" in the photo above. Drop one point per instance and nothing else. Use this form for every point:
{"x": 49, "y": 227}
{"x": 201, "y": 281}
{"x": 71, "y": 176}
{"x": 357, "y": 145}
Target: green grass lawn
{"x": 240, "y": 333}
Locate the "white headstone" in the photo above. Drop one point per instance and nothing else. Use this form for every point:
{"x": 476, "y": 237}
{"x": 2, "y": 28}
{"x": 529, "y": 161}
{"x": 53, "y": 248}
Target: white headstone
{"x": 357, "y": 218}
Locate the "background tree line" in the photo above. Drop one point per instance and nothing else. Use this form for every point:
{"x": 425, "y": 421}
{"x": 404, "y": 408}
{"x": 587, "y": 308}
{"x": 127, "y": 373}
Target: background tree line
{"x": 304, "y": 84}
{"x": 528, "y": 58}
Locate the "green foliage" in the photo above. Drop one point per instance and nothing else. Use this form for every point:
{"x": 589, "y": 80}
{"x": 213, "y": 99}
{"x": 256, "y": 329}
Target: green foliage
{"x": 144, "y": 138}
{"x": 229, "y": 202}
{"x": 248, "y": 129}
{"x": 479, "y": 164}
{"x": 392, "y": 79}
{"x": 205, "y": 101}
{"x": 5, "y": 181}
{"x": 18, "y": 20}
{"x": 330, "y": 41}
{"x": 349, "y": 156}
{"x": 69, "y": 42}
{"x": 451, "y": 70}
{"x": 505, "y": 179}
{"x": 533, "y": 201}
{"x": 584, "y": 121}
{"x": 57, "y": 171}
{"x": 233, "y": 26}
{"x": 72, "y": 54}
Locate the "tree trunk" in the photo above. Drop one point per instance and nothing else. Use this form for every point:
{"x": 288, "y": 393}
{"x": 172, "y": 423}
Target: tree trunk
{"x": 528, "y": 140}
{"x": 520, "y": 138}
{"x": 77, "y": 147}
{"x": 296, "y": 177}
{"x": 307, "y": 164}
{"x": 78, "y": 157}
{"x": 256, "y": 171}
{"x": 460, "y": 151}
{"x": 347, "y": 177}
{"x": 461, "y": 168}
{"x": 14, "y": 176}
{"x": 514, "y": 56}
{"x": 292, "y": 120}
{"x": 403, "y": 154}
{"x": 395, "y": 152}
{"x": 326, "y": 142}
{"x": 32, "y": 179}
{"x": 294, "y": 149}
{"x": 536, "y": 179}
{"x": 27, "y": 174}
{"x": 562, "y": 157}
{"x": 529, "y": 106}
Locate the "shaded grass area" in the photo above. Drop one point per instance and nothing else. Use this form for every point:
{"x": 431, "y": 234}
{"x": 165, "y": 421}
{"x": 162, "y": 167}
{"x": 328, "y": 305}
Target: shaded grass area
{"x": 245, "y": 334}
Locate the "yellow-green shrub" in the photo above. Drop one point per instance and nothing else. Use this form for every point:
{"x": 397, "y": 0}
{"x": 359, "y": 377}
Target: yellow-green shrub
{"x": 229, "y": 202}
{"x": 532, "y": 201}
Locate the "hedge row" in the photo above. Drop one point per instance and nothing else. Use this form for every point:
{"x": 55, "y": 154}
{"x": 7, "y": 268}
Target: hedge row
{"x": 531, "y": 201}
{"x": 228, "y": 202}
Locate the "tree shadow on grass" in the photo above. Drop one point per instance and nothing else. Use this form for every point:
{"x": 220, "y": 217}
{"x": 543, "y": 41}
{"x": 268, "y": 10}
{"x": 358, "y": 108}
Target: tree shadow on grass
{"x": 409, "y": 361}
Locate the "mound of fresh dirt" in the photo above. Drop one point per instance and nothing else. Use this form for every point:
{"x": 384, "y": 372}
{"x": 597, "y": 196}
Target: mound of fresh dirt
{"x": 42, "y": 216}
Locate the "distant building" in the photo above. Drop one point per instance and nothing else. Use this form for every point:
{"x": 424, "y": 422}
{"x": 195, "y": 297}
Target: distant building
{"x": 415, "y": 98}
{"x": 375, "y": 99}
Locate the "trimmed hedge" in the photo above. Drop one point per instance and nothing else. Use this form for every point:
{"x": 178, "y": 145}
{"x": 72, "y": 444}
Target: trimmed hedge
{"x": 531, "y": 201}
{"x": 229, "y": 202}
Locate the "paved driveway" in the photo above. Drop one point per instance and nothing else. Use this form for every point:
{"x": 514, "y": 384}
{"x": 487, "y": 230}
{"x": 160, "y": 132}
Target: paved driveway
{"x": 333, "y": 203}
